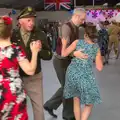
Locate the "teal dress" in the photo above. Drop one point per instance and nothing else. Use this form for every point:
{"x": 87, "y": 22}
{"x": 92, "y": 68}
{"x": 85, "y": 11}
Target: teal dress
{"x": 80, "y": 80}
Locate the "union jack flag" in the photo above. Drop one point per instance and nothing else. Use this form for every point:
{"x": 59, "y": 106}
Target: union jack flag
{"x": 57, "y": 4}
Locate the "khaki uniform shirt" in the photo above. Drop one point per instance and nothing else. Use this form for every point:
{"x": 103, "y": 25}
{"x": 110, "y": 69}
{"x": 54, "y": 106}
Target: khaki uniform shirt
{"x": 113, "y": 32}
{"x": 25, "y": 36}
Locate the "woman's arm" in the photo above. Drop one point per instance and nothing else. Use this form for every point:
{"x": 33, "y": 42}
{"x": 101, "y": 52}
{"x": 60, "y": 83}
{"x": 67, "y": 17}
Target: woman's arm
{"x": 29, "y": 67}
{"x": 99, "y": 62}
{"x": 67, "y": 50}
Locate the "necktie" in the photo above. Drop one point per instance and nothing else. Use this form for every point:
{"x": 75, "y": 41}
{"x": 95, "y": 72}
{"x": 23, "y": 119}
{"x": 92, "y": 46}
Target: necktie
{"x": 26, "y": 38}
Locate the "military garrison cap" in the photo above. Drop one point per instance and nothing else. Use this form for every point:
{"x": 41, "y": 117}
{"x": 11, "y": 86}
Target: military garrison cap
{"x": 27, "y": 12}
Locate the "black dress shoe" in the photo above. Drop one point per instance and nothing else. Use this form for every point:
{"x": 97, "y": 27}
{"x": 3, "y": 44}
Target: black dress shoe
{"x": 50, "y": 111}
{"x": 68, "y": 118}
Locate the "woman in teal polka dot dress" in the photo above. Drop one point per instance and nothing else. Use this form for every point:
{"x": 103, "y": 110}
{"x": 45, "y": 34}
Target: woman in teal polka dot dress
{"x": 80, "y": 81}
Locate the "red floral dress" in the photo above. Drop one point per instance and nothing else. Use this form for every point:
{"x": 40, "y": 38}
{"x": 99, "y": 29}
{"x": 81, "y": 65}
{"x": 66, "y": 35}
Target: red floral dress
{"x": 12, "y": 94}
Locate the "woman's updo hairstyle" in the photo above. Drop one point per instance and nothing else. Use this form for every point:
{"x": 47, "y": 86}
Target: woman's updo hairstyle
{"x": 5, "y": 27}
{"x": 91, "y": 31}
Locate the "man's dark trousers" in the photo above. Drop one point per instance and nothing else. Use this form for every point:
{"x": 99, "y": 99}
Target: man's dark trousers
{"x": 55, "y": 101}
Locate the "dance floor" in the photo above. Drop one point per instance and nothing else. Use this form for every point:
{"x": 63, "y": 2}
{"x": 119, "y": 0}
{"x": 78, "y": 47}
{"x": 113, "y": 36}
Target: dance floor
{"x": 109, "y": 83}
{"x": 108, "y": 80}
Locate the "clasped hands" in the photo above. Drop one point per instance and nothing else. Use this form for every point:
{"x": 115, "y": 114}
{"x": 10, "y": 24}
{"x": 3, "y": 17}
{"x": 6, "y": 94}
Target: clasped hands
{"x": 36, "y": 46}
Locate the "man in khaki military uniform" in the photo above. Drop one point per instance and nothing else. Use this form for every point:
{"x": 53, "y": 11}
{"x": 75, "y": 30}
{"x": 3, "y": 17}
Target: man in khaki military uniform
{"x": 113, "y": 31}
{"x": 24, "y": 35}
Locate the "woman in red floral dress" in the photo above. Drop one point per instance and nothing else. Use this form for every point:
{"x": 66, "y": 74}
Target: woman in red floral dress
{"x": 12, "y": 94}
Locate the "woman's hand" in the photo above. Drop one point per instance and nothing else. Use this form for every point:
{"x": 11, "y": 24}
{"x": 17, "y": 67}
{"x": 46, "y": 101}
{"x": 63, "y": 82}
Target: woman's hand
{"x": 79, "y": 54}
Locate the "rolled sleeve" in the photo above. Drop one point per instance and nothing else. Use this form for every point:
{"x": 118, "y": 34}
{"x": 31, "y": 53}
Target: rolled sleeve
{"x": 66, "y": 32}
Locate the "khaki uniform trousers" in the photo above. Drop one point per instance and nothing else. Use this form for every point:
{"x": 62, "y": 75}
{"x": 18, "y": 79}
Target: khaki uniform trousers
{"x": 113, "y": 41}
{"x": 33, "y": 86}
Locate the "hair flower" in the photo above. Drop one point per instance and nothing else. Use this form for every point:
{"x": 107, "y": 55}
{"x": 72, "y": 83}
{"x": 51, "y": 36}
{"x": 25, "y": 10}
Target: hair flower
{"x": 7, "y": 20}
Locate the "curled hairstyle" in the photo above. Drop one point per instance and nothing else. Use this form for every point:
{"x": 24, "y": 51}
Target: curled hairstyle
{"x": 5, "y": 27}
{"x": 91, "y": 32}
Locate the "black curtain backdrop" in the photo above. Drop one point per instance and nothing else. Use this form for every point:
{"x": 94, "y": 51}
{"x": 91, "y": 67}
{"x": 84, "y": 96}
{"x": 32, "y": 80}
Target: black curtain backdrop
{"x": 20, "y": 4}
{"x": 97, "y": 2}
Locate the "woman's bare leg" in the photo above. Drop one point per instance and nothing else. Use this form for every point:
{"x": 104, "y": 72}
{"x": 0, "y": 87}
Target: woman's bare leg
{"x": 86, "y": 112}
{"x": 77, "y": 108}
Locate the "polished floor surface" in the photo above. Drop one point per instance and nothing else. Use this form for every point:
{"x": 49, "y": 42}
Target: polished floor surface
{"x": 109, "y": 83}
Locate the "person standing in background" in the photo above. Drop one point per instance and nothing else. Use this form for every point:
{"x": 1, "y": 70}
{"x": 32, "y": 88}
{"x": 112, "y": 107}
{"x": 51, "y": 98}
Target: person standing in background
{"x": 113, "y": 31}
{"x": 103, "y": 40}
